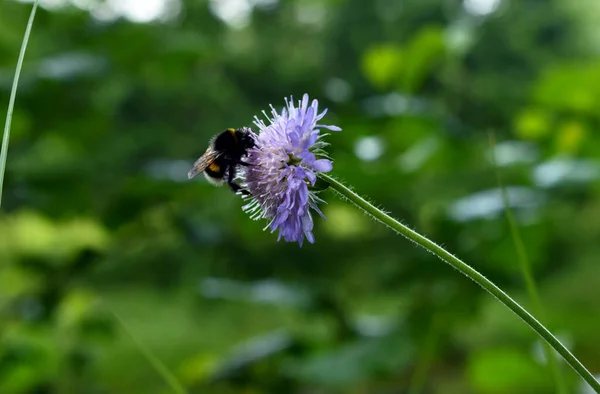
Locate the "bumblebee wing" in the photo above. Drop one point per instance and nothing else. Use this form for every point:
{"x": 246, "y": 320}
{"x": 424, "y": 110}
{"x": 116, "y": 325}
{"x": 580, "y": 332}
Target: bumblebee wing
{"x": 204, "y": 161}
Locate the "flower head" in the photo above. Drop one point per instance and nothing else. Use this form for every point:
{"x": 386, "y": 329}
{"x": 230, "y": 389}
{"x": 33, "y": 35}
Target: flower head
{"x": 283, "y": 165}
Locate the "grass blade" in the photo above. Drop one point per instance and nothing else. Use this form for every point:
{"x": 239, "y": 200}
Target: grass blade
{"x": 419, "y": 377}
{"x": 13, "y": 94}
{"x": 525, "y": 267}
{"x": 158, "y": 365}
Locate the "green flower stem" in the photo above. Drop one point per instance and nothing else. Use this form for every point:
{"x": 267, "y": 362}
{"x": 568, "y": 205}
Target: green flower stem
{"x": 471, "y": 273}
{"x": 13, "y": 94}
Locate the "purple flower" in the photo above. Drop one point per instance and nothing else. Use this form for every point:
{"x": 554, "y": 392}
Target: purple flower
{"x": 287, "y": 157}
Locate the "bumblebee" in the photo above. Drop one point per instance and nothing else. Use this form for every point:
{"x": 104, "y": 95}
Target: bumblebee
{"x": 223, "y": 156}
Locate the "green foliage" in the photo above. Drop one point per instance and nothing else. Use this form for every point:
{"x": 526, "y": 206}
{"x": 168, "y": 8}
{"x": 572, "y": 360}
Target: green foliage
{"x": 98, "y": 215}
{"x": 506, "y": 371}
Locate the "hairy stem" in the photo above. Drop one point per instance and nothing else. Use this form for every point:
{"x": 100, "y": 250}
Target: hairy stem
{"x": 467, "y": 270}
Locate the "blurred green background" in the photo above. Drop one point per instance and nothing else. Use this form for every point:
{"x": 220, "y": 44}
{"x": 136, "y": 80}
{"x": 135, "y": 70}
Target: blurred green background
{"x": 118, "y": 98}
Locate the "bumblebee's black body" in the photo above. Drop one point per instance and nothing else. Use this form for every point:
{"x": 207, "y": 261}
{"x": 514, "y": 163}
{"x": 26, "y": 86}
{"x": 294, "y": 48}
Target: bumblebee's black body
{"x": 222, "y": 157}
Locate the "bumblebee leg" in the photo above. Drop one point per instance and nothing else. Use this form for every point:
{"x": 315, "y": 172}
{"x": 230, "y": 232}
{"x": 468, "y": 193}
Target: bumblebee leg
{"x": 243, "y": 163}
{"x": 234, "y": 186}
{"x": 237, "y": 188}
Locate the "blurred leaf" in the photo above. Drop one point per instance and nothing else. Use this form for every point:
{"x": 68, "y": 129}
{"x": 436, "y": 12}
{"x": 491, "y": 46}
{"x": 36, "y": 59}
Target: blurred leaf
{"x": 30, "y": 358}
{"x": 74, "y": 307}
{"x": 36, "y": 236}
{"x": 570, "y": 136}
{"x": 20, "y": 378}
{"x": 533, "y": 124}
{"x": 382, "y": 64}
{"x": 345, "y": 222}
{"x": 51, "y": 154}
{"x": 198, "y": 368}
{"x": 506, "y": 370}
{"x": 422, "y": 54}
{"x": 574, "y": 87}
{"x": 15, "y": 282}
{"x": 32, "y": 234}
{"x": 356, "y": 363}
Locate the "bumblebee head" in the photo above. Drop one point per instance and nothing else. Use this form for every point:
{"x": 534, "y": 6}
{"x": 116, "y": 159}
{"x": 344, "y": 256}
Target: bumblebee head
{"x": 247, "y": 138}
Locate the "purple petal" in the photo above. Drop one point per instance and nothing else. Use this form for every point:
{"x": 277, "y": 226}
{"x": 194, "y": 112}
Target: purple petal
{"x": 299, "y": 173}
{"x": 312, "y": 178}
{"x": 304, "y": 101}
{"x": 308, "y": 120}
{"x": 307, "y": 157}
{"x": 311, "y": 139}
{"x": 321, "y": 115}
{"x": 315, "y": 105}
{"x": 285, "y": 204}
{"x": 303, "y": 194}
{"x": 329, "y": 127}
{"x": 294, "y": 138}
{"x": 322, "y": 165}
{"x": 307, "y": 226}
{"x": 279, "y": 219}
